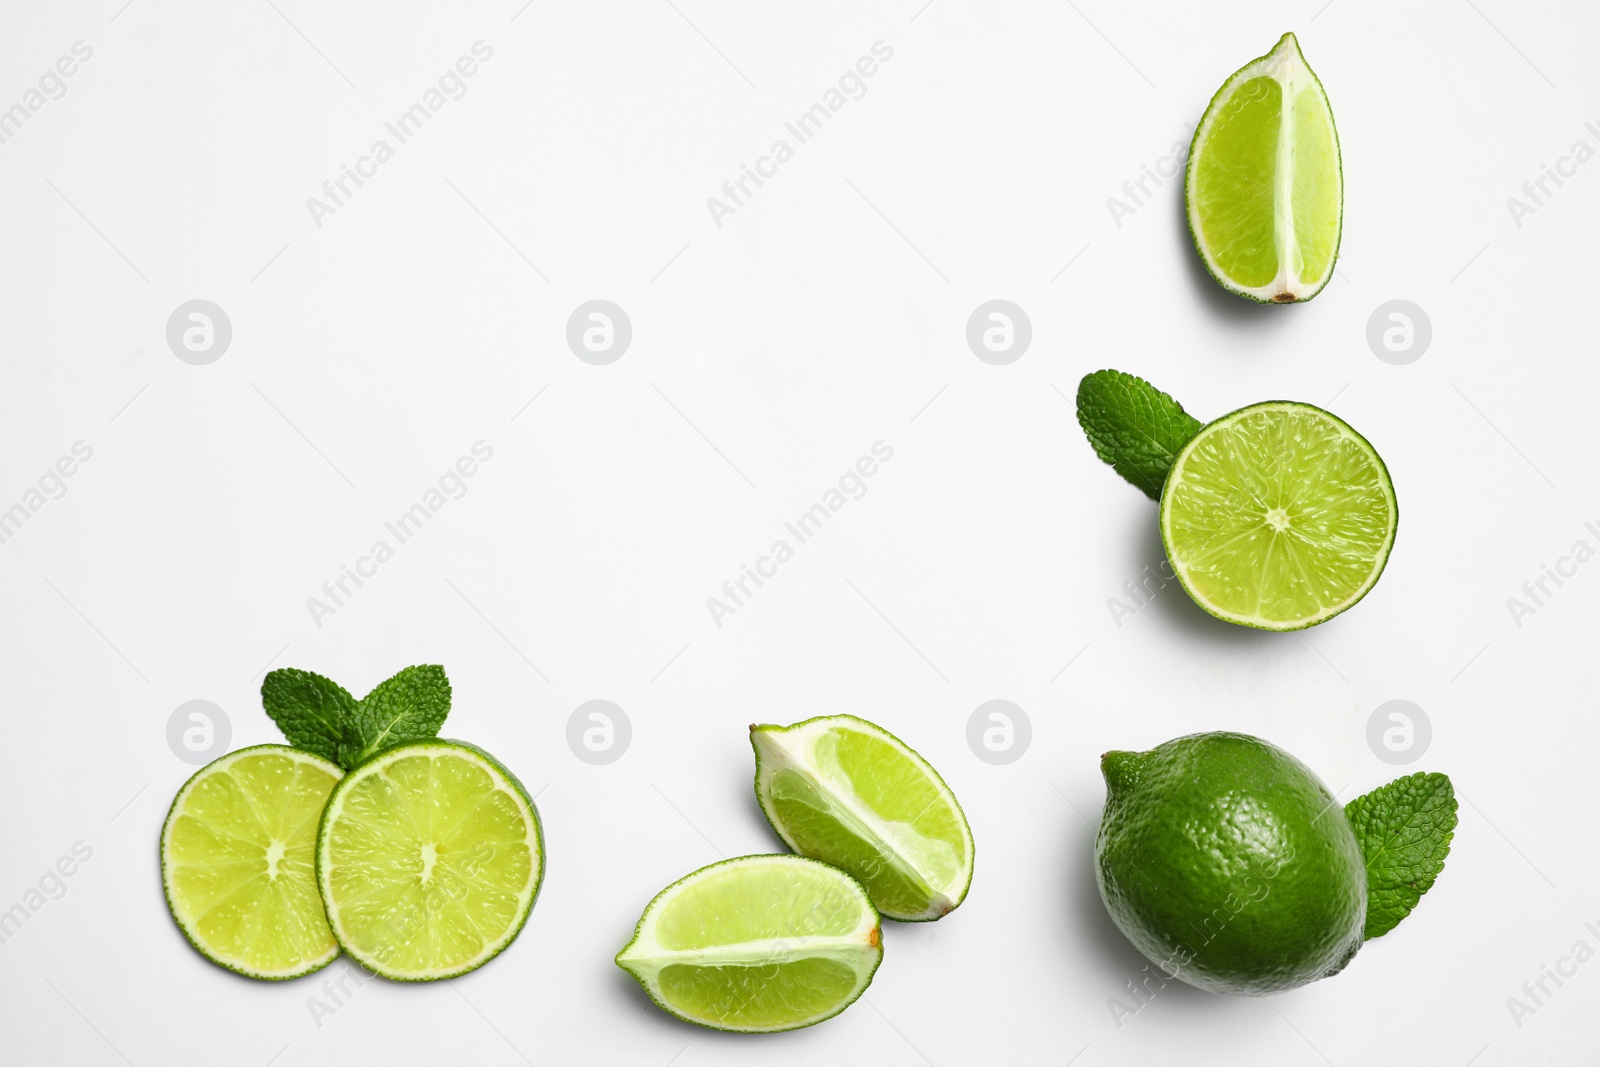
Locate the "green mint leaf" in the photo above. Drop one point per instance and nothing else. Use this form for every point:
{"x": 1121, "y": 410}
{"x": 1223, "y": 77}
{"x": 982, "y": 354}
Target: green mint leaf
{"x": 1134, "y": 426}
{"x": 312, "y": 711}
{"x": 1405, "y": 829}
{"x": 411, "y": 706}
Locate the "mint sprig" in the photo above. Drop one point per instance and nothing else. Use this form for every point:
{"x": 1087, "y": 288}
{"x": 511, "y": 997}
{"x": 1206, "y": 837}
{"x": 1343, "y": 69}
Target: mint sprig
{"x": 1134, "y": 426}
{"x": 1405, "y": 829}
{"x": 317, "y": 714}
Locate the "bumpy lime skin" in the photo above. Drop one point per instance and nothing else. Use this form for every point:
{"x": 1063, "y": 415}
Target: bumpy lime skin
{"x": 1229, "y": 864}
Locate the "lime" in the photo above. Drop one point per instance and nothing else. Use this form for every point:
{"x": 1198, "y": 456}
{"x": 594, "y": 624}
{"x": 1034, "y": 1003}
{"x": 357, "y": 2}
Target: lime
{"x": 237, "y": 861}
{"x": 1264, "y": 188}
{"x": 1278, "y": 516}
{"x": 847, "y": 792}
{"x": 429, "y": 858}
{"x": 757, "y": 944}
{"x": 1229, "y": 864}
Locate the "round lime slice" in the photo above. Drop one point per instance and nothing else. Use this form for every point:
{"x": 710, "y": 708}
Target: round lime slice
{"x": 237, "y": 861}
{"x": 757, "y": 944}
{"x": 1278, "y": 516}
{"x": 1264, "y": 186}
{"x": 429, "y": 858}
{"x": 847, "y": 792}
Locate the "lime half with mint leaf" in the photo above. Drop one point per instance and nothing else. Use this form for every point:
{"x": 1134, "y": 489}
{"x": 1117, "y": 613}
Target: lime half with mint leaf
{"x": 237, "y": 863}
{"x": 850, "y": 793}
{"x": 757, "y": 944}
{"x": 1264, "y": 186}
{"x": 1277, "y": 516}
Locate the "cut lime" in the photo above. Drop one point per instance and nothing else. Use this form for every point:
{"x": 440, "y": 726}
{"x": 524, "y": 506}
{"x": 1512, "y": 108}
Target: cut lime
{"x": 757, "y": 944}
{"x": 847, "y": 792}
{"x": 237, "y": 861}
{"x": 1264, "y": 187}
{"x": 429, "y": 858}
{"x": 1278, "y": 516}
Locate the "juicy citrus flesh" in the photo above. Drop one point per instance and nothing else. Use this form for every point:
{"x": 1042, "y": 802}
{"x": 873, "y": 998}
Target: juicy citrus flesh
{"x": 1278, "y": 516}
{"x": 1229, "y": 864}
{"x": 757, "y": 944}
{"x": 1264, "y": 185}
{"x": 238, "y": 861}
{"x": 429, "y": 859}
{"x": 844, "y": 791}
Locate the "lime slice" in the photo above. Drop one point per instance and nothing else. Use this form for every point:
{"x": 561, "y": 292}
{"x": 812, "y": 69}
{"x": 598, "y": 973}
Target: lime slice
{"x": 429, "y": 858}
{"x": 847, "y": 792}
{"x": 237, "y": 861}
{"x": 1264, "y": 188}
{"x": 1278, "y": 516}
{"x": 757, "y": 944}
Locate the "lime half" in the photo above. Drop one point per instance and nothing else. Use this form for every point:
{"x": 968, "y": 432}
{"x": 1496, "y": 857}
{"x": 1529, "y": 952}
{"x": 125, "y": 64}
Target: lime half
{"x": 757, "y": 944}
{"x": 237, "y": 861}
{"x": 429, "y": 858}
{"x": 1264, "y": 187}
{"x": 847, "y": 792}
{"x": 1278, "y": 516}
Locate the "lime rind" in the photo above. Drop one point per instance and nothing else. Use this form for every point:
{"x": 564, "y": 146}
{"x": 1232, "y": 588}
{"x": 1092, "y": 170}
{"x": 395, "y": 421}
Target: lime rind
{"x": 643, "y": 958}
{"x": 1381, "y": 559}
{"x": 180, "y": 917}
{"x": 504, "y": 780}
{"x": 785, "y": 748}
{"x": 1287, "y": 65}
{"x": 1227, "y": 863}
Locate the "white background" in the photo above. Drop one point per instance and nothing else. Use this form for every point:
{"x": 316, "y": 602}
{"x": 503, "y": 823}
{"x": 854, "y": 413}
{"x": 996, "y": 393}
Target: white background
{"x": 826, "y": 314}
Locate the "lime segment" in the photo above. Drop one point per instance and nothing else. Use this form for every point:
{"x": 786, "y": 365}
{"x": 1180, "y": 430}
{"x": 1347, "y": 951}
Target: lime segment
{"x": 237, "y": 861}
{"x": 1278, "y": 516}
{"x": 849, "y": 793}
{"x": 757, "y": 944}
{"x": 429, "y": 858}
{"x": 1264, "y": 187}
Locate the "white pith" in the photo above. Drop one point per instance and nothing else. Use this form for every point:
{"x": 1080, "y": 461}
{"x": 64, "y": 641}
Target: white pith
{"x": 524, "y": 897}
{"x": 780, "y": 749}
{"x": 1287, "y": 66}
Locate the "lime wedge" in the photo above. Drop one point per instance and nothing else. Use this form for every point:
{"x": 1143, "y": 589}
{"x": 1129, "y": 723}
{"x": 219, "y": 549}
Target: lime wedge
{"x": 1264, "y": 188}
{"x": 237, "y": 861}
{"x": 847, "y": 792}
{"x": 1278, "y": 516}
{"x": 429, "y": 858}
{"x": 757, "y": 944}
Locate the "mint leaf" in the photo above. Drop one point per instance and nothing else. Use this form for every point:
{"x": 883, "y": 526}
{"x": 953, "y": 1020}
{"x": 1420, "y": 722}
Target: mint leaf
{"x": 1405, "y": 829}
{"x": 1134, "y": 426}
{"x": 411, "y": 706}
{"x": 312, "y": 711}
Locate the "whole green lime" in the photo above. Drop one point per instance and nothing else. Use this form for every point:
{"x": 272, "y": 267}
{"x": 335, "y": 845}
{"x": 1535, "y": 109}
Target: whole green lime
{"x": 1229, "y": 864}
